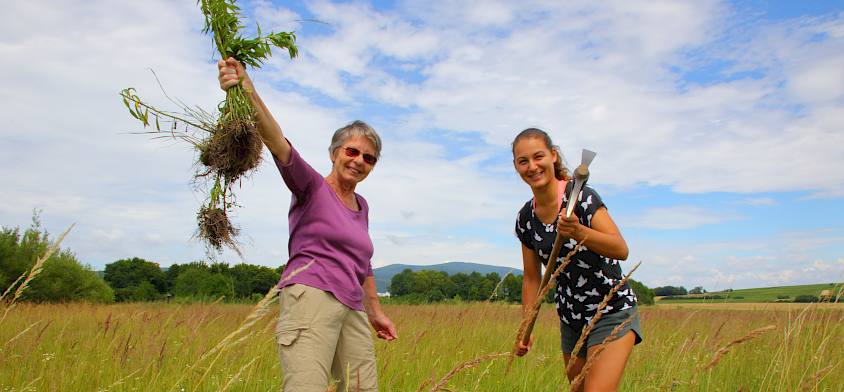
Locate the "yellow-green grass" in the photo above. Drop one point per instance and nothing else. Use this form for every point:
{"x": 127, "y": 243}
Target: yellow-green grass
{"x": 150, "y": 347}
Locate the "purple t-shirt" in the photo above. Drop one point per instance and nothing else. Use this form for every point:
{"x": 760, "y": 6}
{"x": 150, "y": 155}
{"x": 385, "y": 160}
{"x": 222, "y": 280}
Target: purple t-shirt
{"x": 322, "y": 228}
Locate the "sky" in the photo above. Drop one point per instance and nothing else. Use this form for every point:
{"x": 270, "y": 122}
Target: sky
{"x": 719, "y": 126}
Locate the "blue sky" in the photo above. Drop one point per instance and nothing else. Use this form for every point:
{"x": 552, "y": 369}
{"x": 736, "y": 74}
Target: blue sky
{"x": 719, "y": 126}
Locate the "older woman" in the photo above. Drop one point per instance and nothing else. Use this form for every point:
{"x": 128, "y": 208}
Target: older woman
{"x": 323, "y": 334}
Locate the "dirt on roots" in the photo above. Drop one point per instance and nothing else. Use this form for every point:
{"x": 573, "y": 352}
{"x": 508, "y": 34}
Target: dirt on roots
{"x": 232, "y": 151}
{"x": 215, "y": 228}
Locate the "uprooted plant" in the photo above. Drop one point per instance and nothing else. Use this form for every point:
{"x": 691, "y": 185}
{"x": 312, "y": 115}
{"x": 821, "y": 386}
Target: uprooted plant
{"x": 228, "y": 145}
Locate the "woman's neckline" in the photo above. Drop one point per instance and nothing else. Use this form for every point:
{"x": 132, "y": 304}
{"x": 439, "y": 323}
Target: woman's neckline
{"x": 340, "y": 200}
{"x": 561, "y": 190}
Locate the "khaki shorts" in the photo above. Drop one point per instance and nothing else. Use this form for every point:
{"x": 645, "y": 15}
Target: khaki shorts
{"x": 321, "y": 341}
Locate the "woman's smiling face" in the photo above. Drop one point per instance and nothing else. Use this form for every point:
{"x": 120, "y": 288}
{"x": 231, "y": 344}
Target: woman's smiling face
{"x": 534, "y": 161}
{"x": 353, "y": 169}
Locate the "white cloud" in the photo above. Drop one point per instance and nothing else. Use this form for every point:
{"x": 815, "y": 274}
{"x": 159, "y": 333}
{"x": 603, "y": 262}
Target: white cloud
{"x": 819, "y": 81}
{"x": 275, "y": 19}
{"x": 740, "y": 263}
{"x": 758, "y": 202}
{"x": 599, "y": 80}
{"x": 608, "y": 76}
{"x": 826, "y": 267}
{"x": 676, "y": 217}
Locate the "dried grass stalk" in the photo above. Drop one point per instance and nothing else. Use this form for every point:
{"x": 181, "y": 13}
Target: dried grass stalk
{"x": 122, "y": 380}
{"x": 12, "y": 286}
{"x": 526, "y": 326}
{"x": 498, "y": 286}
{"x": 586, "y": 330}
{"x": 21, "y": 333}
{"x": 724, "y": 350}
{"x": 581, "y": 377}
{"x": 34, "y": 271}
{"x": 258, "y": 312}
{"x": 239, "y": 372}
{"x": 812, "y": 382}
{"x": 440, "y": 385}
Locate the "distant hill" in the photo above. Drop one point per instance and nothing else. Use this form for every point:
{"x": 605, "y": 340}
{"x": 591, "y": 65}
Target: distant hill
{"x": 384, "y": 275}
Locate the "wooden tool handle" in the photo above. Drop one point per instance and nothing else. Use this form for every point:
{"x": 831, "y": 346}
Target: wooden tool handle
{"x": 546, "y": 277}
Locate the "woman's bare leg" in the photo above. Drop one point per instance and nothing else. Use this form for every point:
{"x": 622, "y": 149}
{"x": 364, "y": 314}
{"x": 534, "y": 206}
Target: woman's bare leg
{"x": 606, "y": 370}
{"x": 575, "y": 369}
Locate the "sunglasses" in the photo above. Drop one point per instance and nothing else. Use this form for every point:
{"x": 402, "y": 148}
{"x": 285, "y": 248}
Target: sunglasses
{"x": 352, "y": 152}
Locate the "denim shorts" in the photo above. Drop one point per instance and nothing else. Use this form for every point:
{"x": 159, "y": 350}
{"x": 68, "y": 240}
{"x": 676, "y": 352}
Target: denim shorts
{"x": 602, "y": 329}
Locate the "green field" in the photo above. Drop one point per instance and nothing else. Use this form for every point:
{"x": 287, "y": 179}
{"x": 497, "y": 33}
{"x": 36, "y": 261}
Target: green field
{"x": 164, "y": 347}
{"x": 763, "y": 294}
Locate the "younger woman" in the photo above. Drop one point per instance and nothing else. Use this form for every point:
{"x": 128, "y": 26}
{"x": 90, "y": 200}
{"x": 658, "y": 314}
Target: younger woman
{"x": 590, "y": 275}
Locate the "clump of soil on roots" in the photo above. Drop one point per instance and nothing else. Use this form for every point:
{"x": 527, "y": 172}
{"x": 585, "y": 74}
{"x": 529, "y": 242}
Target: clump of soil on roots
{"x": 232, "y": 151}
{"x": 216, "y": 229}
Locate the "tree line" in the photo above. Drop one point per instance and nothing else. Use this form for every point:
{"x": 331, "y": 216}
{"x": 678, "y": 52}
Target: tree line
{"x": 427, "y": 286}
{"x": 64, "y": 279}
{"x": 667, "y": 291}
{"x": 137, "y": 279}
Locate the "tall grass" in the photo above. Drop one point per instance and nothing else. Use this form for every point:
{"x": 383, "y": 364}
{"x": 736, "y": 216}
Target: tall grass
{"x": 149, "y": 347}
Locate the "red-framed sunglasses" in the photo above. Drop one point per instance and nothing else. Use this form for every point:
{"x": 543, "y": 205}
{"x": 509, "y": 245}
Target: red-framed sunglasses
{"x": 354, "y": 152}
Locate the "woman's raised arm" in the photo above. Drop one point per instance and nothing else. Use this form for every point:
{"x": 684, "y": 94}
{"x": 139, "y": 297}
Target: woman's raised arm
{"x": 232, "y": 72}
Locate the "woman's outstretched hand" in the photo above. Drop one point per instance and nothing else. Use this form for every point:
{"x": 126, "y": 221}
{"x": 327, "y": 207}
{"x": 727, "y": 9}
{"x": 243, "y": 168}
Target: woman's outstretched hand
{"x": 231, "y": 73}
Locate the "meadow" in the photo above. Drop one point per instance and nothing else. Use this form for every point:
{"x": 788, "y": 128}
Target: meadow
{"x": 172, "y": 347}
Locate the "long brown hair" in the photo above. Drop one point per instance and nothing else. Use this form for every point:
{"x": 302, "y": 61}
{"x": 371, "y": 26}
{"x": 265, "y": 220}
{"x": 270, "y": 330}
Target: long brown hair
{"x": 560, "y": 171}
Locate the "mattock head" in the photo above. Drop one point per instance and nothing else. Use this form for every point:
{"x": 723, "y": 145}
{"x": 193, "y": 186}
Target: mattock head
{"x": 581, "y": 175}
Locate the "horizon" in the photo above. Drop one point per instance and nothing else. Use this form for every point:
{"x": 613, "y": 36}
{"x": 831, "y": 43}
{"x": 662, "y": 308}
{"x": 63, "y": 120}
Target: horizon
{"x": 718, "y": 125}
{"x": 522, "y": 272}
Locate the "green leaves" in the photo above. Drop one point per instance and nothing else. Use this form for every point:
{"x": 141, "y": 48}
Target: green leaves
{"x": 166, "y": 123}
{"x": 222, "y": 19}
{"x": 231, "y": 146}
{"x": 137, "y": 108}
{"x": 254, "y": 51}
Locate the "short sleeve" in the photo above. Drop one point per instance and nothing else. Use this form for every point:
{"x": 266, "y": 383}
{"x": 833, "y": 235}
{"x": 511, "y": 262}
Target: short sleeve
{"x": 522, "y": 229}
{"x": 589, "y": 202}
{"x": 298, "y": 175}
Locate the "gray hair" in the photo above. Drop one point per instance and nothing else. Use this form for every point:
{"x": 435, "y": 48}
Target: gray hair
{"x": 355, "y": 128}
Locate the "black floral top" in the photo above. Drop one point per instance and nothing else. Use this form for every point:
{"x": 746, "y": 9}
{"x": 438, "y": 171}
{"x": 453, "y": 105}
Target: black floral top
{"x": 589, "y": 276}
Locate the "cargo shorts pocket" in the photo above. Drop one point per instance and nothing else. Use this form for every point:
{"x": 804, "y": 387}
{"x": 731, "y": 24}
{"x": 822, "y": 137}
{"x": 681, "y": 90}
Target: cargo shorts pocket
{"x": 286, "y": 337}
{"x": 293, "y": 319}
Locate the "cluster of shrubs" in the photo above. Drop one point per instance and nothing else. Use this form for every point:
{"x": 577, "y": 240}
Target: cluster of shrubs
{"x": 64, "y": 279}
{"x": 701, "y": 297}
{"x": 813, "y": 298}
{"x": 137, "y": 279}
{"x": 805, "y": 298}
{"x": 426, "y": 286}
